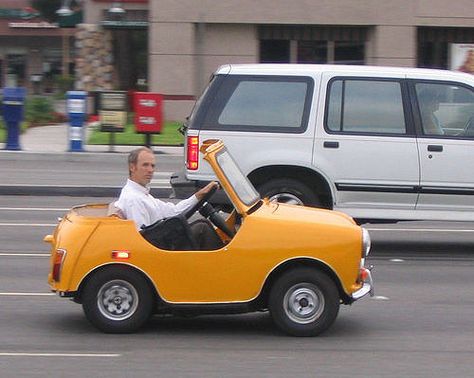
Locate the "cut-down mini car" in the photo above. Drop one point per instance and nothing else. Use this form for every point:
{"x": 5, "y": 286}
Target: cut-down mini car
{"x": 299, "y": 263}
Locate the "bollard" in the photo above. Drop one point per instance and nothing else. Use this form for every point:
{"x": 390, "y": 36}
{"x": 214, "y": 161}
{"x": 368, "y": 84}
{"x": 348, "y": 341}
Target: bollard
{"x": 13, "y": 110}
{"x": 76, "y": 109}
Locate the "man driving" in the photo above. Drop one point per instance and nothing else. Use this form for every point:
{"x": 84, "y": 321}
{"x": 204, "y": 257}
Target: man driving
{"x": 136, "y": 202}
{"x": 429, "y": 103}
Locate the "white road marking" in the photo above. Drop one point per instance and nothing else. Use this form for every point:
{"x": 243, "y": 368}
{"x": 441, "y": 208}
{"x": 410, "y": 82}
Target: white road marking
{"x": 28, "y": 224}
{"x": 13, "y": 294}
{"x": 86, "y": 355}
{"x": 160, "y": 181}
{"x": 380, "y": 298}
{"x": 3, "y": 254}
{"x": 33, "y": 209}
{"x": 397, "y": 260}
{"x": 419, "y": 229}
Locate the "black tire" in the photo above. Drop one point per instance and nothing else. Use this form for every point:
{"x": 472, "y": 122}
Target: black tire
{"x": 117, "y": 300}
{"x": 288, "y": 190}
{"x": 304, "y": 302}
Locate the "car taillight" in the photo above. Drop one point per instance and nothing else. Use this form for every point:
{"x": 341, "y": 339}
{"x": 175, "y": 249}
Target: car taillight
{"x": 59, "y": 257}
{"x": 193, "y": 152}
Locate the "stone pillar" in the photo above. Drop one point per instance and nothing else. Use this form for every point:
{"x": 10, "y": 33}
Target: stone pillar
{"x": 94, "y": 62}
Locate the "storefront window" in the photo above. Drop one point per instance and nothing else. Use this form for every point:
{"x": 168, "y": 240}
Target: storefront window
{"x": 274, "y": 51}
{"x": 16, "y": 71}
{"x": 312, "y": 52}
{"x": 433, "y": 45}
{"x": 349, "y": 53}
{"x": 312, "y": 44}
{"x": 433, "y": 55}
{"x": 131, "y": 69}
{"x": 320, "y": 52}
{"x": 52, "y": 69}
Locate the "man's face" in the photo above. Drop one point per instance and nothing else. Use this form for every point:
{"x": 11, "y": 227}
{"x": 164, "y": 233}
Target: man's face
{"x": 142, "y": 171}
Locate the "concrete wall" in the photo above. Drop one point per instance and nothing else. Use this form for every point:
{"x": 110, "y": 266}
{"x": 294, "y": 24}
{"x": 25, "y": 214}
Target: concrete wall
{"x": 190, "y": 39}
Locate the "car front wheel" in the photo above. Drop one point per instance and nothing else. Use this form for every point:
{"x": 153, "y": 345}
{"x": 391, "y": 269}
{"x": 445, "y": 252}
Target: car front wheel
{"x": 117, "y": 300}
{"x": 304, "y": 302}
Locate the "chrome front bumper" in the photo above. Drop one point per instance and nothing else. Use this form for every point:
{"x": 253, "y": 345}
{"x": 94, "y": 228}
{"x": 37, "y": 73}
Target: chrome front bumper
{"x": 367, "y": 287}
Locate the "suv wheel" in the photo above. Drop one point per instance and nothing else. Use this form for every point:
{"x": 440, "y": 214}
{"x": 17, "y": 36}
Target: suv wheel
{"x": 304, "y": 302}
{"x": 289, "y": 191}
{"x": 117, "y": 300}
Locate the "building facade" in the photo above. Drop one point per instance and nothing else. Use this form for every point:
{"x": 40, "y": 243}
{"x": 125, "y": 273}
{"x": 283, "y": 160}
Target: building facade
{"x": 112, "y": 46}
{"x": 33, "y": 53}
{"x": 187, "y": 39}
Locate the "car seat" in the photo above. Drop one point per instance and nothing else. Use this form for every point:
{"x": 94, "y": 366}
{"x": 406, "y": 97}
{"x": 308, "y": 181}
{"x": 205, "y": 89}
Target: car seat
{"x": 173, "y": 233}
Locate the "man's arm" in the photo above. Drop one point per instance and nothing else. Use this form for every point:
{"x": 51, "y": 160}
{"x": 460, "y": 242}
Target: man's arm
{"x": 202, "y": 192}
{"x": 170, "y": 209}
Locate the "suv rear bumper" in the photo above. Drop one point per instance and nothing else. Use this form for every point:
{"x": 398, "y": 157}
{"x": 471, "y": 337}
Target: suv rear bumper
{"x": 183, "y": 188}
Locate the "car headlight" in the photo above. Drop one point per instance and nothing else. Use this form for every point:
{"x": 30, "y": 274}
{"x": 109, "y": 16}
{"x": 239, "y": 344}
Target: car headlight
{"x": 366, "y": 243}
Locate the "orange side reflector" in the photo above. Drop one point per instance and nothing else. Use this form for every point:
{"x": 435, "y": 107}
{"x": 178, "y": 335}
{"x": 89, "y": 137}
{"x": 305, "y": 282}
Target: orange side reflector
{"x": 363, "y": 274}
{"x": 121, "y": 255}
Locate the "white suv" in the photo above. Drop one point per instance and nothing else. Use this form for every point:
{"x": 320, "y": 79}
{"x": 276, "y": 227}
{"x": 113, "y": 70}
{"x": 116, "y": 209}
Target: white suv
{"x": 374, "y": 142}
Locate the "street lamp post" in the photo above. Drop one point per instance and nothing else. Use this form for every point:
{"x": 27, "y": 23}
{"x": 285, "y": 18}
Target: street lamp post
{"x": 65, "y": 11}
{"x": 116, "y": 8}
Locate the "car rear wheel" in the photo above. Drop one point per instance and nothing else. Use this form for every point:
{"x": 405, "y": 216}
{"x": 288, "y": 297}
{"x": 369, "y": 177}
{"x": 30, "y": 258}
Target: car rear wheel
{"x": 289, "y": 191}
{"x": 304, "y": 302}
{"x": 117, "y": 300}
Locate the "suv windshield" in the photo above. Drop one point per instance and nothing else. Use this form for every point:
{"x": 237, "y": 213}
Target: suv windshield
{"x": 242, "y": 186}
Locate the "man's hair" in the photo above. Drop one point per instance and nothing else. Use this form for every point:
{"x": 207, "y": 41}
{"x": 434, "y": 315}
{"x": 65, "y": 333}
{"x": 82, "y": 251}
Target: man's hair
{"x": 133, "y": 155}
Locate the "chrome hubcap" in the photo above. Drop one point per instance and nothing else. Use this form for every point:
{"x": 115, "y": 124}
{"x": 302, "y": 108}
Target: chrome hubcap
{"x": 288, "y": 198}
{"x": 117, "y": 300}
{"x": 303, "y": 303}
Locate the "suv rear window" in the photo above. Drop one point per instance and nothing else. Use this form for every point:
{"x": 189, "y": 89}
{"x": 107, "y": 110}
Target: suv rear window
{"x": 257, "y": 103}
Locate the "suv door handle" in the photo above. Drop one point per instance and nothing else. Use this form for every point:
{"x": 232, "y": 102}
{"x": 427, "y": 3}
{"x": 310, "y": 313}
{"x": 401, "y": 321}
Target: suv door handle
{"x": 331, "y": 144}
{"x": 435, "y": 148}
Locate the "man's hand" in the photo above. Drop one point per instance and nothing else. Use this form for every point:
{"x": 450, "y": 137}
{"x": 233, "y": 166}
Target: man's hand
{"x": 202, "y": 192}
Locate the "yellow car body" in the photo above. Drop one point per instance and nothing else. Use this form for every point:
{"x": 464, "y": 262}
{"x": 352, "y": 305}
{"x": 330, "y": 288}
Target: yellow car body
{"x": 270, "y": 240}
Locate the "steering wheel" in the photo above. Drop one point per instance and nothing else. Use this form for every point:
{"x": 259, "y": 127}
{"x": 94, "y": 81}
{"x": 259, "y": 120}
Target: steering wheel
{"x": 208, "y": 211}
{"x": 200, "y": 203}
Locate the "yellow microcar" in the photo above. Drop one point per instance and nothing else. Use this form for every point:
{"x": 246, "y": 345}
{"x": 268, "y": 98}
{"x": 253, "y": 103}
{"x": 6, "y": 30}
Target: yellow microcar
{"x": 299, "y": 263}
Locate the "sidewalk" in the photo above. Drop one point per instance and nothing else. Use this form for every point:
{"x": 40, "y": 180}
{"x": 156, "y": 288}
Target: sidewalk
{"x": 54, "y": 139}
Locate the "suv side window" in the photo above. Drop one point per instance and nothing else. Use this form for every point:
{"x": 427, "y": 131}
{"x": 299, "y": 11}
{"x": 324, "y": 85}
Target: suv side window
{"x": 259, "y": 103}
{"x": 445, "y": 109}
{"x": 365, "y": 106}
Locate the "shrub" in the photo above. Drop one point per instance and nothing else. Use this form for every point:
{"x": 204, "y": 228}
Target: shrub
{"x": 64, "y": 84}
{"x": 39, "y": 110}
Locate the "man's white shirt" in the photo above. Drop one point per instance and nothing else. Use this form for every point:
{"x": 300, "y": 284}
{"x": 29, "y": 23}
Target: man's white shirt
{"x": 138, "y": 204}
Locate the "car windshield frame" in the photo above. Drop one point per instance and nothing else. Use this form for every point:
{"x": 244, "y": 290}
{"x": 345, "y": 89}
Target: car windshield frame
{"x": 241, "y": 185}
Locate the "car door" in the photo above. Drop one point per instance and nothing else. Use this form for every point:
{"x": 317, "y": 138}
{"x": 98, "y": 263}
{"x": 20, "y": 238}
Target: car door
{"x": 367, "y": 145}
{"x": 447, "y": 150}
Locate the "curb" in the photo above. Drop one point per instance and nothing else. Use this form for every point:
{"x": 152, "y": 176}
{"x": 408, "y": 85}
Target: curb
{"x": 68, "y": 155}
{"x": 73, "y": 191}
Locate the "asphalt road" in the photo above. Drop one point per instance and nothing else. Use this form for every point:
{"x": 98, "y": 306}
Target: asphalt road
{"x": 420, "y": 324}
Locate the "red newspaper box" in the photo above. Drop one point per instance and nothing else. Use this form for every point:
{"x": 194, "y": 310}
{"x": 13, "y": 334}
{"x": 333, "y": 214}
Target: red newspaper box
{"x": 148, "y": 112}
